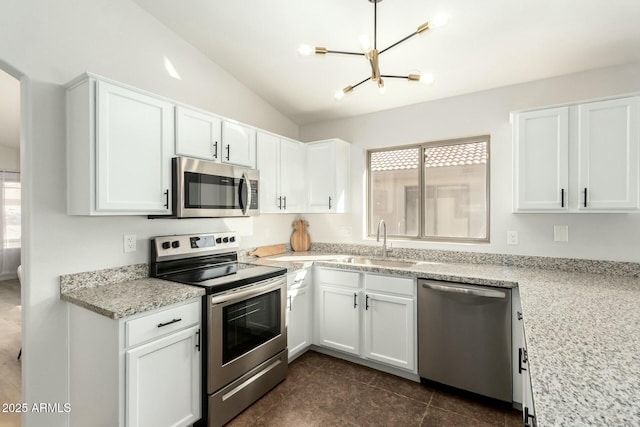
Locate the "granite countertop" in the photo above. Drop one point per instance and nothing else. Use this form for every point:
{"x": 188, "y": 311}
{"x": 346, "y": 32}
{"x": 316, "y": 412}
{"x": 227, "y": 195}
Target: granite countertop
{"x": 124, "y": 293}
{"x": 582, "y": 332}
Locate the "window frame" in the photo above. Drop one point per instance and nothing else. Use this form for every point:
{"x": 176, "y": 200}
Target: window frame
{"x": 423, "y": 188}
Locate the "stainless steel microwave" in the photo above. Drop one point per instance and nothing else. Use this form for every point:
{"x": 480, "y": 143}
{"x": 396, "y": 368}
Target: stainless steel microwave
{"x": 204, "y": 189}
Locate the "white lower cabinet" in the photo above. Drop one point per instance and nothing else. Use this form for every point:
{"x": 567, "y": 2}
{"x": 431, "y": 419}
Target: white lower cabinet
{"x": 522, "y": 392}
{"x": 389, "y": 330}
{"x": 376, "y": 323}
{"x": 339, "y": 318}
{"x": 299, "y": 305}
{"x": 136, "y": 372}
{"x": 162, "y": 381}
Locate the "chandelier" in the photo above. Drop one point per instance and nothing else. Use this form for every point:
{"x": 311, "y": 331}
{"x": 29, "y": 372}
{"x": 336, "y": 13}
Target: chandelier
{"x": 372, "y": 54}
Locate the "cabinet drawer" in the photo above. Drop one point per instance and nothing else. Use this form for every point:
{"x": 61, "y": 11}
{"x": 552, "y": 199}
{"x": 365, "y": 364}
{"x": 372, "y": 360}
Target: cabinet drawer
{"x": 338, "y": 277}
{"x": 389, "y": 284}
{"x": 158, "y": 324}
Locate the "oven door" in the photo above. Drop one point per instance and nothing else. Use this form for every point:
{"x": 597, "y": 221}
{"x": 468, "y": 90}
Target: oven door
{"x": 207, "y": 189}
{"x": 246, "y": 327}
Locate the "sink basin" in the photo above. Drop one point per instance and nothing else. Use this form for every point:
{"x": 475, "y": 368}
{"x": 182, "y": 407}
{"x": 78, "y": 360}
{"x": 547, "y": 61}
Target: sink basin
{"x": 377, "y": 262}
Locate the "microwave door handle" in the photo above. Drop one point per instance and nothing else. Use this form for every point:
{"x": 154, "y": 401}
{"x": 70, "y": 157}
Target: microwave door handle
{"x": 247, "y": 184}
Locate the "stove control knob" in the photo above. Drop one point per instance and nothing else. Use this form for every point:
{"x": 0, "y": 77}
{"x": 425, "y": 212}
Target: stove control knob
{"x": 175, "y": 244}
{"x": 219, "y": 240}
{"x": 232, "y": 239}
{"x": 225, "y": 240}
{"x": 166, "y": 245}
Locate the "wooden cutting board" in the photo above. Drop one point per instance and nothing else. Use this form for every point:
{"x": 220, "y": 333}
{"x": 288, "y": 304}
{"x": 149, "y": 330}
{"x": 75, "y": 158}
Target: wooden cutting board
{"x": 269, "y": 250}
{"x": 300, "y": 240}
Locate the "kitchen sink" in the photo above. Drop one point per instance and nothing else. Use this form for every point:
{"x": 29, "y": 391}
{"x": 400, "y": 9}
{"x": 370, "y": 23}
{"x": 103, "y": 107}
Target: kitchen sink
{"x": 377, "y": 262}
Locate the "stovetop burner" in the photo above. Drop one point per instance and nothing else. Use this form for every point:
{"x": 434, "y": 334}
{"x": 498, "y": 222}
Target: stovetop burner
{"x": 205, "y": 260}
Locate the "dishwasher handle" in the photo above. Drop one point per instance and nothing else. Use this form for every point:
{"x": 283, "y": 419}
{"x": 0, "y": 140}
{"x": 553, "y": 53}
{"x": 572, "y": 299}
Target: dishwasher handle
{"x": 488, "y": 293}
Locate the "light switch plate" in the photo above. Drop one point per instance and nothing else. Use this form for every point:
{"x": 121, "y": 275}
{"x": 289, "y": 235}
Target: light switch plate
{"x": 560, "y": 233}
{"x": 512, "y": 237}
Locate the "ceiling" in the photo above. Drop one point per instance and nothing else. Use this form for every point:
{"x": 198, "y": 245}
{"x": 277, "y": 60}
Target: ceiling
{"x": 487, "y": 44}
{"x": 9, "y": 111}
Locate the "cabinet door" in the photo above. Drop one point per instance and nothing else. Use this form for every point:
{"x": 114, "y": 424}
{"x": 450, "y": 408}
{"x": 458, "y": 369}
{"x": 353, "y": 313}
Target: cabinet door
{"x": 608, "y": 154}
{"x": 238, "y": 144}
{"x": 292, "y": 179}
{"x": 389, "y": 332}
{"x": 268, "y": 153}
{"x": 133, "y": 151}
{"x": 541, "y": 156}
{"x": 338, "y": 318}
{"x": 321, "y": 164}
{"x": 299, "y": 321}
{"x": 163, "y": 381}
{"x": 198, "y": 134}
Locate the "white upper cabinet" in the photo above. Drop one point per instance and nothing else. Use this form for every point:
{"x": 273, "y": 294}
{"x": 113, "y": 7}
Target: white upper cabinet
{"x": 292, "y": 179}
{"x": 328, "y": 176}
{"x": 238, "y": 144}
{"x": 198, "y": 134}
{"x": 541, "y": 153}
{"x": 282, "y": 176}
{"x": 120, "y": 144}
{"x": 578, "y": 158}
{"x": 608, "y": 142}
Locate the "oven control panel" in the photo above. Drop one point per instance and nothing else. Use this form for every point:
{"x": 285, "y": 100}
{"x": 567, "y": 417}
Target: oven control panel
{"x": 196, "y": 243}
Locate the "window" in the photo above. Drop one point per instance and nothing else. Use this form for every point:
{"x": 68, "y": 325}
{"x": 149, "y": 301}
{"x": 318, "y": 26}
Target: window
{"x": 435, "y": 191}
{"x": 10, "y": 209}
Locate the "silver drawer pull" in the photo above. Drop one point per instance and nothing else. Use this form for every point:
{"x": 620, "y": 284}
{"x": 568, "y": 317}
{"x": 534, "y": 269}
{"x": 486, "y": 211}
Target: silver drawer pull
{"x": 160, "y": 325}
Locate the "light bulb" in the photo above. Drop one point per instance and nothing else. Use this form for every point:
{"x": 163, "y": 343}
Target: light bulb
{"x": 365, "y": 43}
{"x": 440, "y": 20}
{"x": 305, "y": 50}
{"x": 426, "y": 78}
{"x": 381, "y": 87}
{"x": 341, "y": 93}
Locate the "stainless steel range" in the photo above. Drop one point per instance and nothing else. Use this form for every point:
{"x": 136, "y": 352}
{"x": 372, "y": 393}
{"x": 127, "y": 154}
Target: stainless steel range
{"x": 245, "y": 349}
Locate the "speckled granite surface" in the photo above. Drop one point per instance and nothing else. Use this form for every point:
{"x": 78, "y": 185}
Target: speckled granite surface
{"x": 123, "y": 291}
{"x": 547, "y": 263}
{"x": 90, "y": 279}
{"x": 582, "y": 332}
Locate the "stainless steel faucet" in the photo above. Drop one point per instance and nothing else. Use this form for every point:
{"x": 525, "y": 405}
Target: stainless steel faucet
{"x": 385, "y": 251}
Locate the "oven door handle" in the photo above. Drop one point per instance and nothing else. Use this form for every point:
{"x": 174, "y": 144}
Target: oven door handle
{"x": 247, "y": 293}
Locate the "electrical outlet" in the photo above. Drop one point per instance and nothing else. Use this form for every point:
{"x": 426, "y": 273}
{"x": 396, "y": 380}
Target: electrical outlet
{"x": 129, "y": 241}
{"x": 560, "y": 233}
{"x": 512, "y": 237}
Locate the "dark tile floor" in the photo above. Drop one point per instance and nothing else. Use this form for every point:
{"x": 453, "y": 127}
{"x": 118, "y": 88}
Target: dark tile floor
{"x": 324, "y": 391}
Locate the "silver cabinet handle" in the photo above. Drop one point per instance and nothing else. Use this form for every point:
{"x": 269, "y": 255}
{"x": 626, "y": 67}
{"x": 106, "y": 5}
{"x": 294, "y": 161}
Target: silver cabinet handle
{"x": 489, "y": 293}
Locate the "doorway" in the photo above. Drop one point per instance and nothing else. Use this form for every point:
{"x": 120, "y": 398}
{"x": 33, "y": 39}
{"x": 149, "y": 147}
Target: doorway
{"x": 10, "y": 248}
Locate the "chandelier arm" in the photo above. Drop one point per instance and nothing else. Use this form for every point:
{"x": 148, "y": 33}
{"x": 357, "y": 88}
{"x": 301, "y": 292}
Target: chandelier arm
{"x": 394, "y": 77}
{"x": 358, "y": 84}
{"x": 342, "y": 52}
{"x": 397, "y": 43}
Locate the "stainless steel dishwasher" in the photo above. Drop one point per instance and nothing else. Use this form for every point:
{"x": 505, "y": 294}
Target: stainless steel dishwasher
{"x": 464, "y": 337}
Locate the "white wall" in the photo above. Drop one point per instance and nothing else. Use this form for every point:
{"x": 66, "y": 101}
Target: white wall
{"x": 9, "y": 158}
{"x": 51, "y": 42}
{"x": 592, "y": 236}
